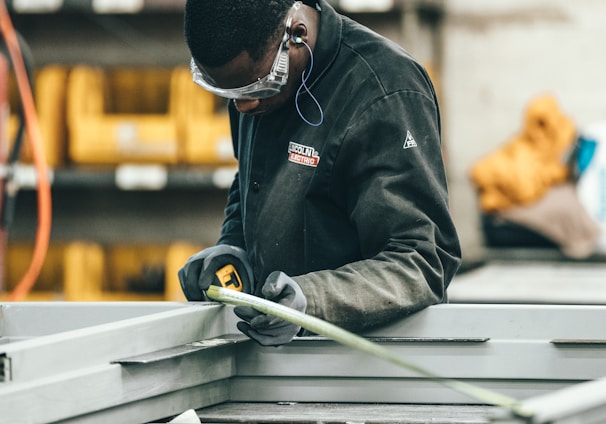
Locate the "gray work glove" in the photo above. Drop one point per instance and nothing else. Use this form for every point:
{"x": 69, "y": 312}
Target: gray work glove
{"x": 268, "y": 330}
{"x": 222, "y": 265}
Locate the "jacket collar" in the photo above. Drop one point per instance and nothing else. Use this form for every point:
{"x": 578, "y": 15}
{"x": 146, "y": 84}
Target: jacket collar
{"x": 328, "y": 41}
{"x": 312, "y": 3}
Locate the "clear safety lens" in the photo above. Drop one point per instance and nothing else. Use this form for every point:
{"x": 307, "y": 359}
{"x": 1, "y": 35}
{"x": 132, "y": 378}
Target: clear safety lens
{"x": 268, "y": 86}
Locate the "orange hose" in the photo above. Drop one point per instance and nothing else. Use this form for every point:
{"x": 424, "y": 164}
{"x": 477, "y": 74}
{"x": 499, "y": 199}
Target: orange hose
{"x": 35, "y": 140}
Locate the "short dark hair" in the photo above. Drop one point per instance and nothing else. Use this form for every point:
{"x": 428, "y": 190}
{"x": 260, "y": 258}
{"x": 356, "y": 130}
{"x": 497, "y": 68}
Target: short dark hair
{"x": 216, "y": 31}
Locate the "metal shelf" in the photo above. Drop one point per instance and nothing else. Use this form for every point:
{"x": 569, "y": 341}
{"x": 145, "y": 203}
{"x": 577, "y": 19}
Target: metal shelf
{"x": 96, "y": 6}
{"x": 140, "y": 6}
{"x": 148, "y": 177}
{"x": 145, "y": 177}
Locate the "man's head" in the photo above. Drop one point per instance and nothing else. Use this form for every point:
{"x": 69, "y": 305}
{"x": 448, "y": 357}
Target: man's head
{"x": 234, "y": 44}
{"x": 216, "y": 31}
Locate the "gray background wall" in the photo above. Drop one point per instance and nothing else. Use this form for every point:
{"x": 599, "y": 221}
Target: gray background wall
{"x": 497, "y": 56}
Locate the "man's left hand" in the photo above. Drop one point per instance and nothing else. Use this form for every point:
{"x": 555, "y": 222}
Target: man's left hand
{"x": 269, "y": 330}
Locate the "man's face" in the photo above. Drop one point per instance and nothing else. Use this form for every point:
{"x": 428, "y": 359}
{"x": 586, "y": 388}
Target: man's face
{"x": 243, "y": 70}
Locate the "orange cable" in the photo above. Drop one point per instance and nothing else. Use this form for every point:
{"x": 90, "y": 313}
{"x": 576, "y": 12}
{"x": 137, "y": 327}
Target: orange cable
{"x": 35, "y": 140}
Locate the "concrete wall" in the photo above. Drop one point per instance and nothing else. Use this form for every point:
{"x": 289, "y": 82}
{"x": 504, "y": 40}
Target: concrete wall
{"x": 498, "y": 55}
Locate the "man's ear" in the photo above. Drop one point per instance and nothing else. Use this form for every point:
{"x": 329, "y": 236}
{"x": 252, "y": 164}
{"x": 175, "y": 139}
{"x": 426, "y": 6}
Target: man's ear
{"x": 298, "y": 34}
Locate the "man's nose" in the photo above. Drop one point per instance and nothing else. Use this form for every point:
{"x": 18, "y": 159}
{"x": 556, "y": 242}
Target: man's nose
{"x": 246, "y": 105}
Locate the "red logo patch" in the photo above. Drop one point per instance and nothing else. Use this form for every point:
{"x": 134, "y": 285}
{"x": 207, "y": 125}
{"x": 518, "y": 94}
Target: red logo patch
{"x": 303, "y": 155}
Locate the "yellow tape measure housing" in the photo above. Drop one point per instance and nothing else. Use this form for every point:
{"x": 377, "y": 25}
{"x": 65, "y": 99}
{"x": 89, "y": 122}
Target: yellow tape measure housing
{"x": 229, "y": 278}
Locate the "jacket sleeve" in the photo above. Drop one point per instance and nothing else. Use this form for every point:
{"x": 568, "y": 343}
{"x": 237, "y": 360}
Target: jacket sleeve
{"x": 232, "y": 231}
{"x": 391, "y": 172}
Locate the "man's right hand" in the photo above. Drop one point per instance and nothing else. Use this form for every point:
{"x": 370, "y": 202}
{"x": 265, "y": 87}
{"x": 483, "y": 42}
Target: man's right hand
{"x": 221, "y": 265}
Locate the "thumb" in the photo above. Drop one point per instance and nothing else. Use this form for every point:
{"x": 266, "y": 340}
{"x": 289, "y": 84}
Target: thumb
{"x": 274, "y": 284}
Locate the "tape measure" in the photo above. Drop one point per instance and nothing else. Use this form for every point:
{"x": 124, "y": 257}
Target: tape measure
{"x": 229, "y": 278}
{"x": 347, "y": 338}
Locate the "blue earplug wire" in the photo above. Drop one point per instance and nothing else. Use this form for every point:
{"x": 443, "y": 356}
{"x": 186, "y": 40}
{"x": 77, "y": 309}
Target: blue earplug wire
{"x": 304, "y": 78}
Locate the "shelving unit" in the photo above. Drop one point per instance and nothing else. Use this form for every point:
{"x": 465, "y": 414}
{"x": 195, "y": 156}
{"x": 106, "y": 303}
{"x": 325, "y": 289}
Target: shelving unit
{"x": 149, "y": 32}
{"x": 93, "y": 204}
{"x": 139, "y": 6}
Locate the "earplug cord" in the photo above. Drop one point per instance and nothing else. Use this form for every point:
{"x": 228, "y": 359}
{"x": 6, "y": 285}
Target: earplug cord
{"x": 35, "y": 139}
{"x": 304, "y": 78}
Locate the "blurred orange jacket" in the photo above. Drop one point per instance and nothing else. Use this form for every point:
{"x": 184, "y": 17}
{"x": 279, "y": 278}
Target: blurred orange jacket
{"x": 521, "y": 171}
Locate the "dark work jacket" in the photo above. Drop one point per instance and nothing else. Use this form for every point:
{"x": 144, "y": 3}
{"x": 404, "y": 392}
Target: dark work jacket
{"x": 356, "y": 210}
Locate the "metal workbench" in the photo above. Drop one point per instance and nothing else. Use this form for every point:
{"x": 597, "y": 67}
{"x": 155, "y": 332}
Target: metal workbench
{"x": 530, "y": 281}
{"x": 146, "y": 362}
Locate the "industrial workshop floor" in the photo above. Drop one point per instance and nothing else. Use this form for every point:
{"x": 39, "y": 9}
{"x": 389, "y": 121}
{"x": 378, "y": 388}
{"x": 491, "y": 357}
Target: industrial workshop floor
{"x": 531, "y": 276}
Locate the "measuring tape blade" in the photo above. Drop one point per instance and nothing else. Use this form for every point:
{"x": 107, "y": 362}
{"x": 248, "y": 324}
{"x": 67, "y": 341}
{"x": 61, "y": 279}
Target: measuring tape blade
{"x": 323, "y": 328}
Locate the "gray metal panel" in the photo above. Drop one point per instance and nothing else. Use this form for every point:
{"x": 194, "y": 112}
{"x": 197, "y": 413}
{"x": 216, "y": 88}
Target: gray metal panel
{"x": 65, "y": 351}
{"x": 27, "y": 319}
{"x": 158, "y": 407}
{"x": 540, "y": 282}
{"x": 536, "y": 322}
{"x": 495, "y": 359}
{"x": 380, "y": 390}
{"x": 103, "y": 387}
{"x": 519, "y": 351}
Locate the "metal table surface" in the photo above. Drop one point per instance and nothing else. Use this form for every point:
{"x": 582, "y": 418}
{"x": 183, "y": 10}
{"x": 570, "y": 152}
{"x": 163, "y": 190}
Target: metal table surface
{"x": 142, "y": 362}
{"x": 532, "y": 282}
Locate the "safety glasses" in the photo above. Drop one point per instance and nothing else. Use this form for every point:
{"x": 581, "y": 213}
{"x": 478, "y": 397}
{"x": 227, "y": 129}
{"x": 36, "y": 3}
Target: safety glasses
{"x": 268, "y": 86}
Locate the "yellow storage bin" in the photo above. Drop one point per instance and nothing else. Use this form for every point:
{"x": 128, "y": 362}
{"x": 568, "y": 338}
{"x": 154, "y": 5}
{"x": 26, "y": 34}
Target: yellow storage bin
{"x": 176, "y": 256}
{"x": 49, "y": 285}
{"x": 189, "y": 101}
{"x": 208, "y": 141}
{"x": 114, "y": 273}
{"x": 135, "y": 268}
{"x": 50, "y": 99}
{"x": 136, "y": 90}
{"x": 88, "y": 271}
{"x": 83, "y": 266}
{"x": 125, "y": 272}
{"x": 204, "y": 135}
{"x": 100, "y": 135}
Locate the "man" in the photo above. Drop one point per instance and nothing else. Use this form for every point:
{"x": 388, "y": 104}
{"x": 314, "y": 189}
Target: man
{"x": 340, "y": 205}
